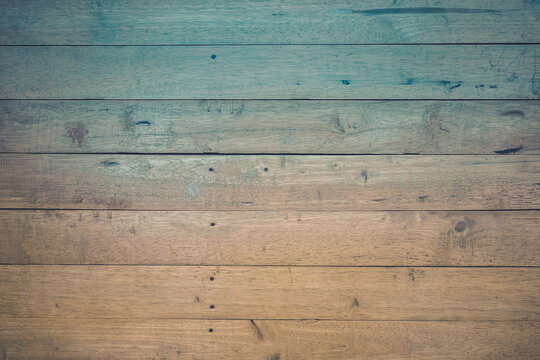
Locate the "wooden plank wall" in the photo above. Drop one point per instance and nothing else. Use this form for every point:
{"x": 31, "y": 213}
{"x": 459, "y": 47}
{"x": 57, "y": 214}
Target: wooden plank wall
{"x": 269, "y": 180}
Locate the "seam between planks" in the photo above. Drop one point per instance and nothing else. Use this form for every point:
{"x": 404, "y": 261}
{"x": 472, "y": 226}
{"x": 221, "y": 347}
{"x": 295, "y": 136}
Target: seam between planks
{"x": 276, "y": 44}
{"x": 275, "y": 319}
{"x": 511, "y": 152}
{"x": 289, "y": 266}
{"x": 268, "y": 210}
{"x": 267, "y": 99}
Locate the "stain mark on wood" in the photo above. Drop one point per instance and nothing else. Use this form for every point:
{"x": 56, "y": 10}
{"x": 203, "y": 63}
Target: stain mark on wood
{"x": 460, "y": 226}
{"x": 77, "y": 199}
{"x": 260, "y": 335}
{"x": 109, "y": 163}
{"x": 77, "y": 133}
{"x": 509, "y": 150}
{"x": 275, "y": 356}
{"x": 336, "y": 121}
{"x": 513, "y": 113}
{"x": 450, "y": 85}
{"x": 365, "y": 175}
{"x": 128, "y": 123}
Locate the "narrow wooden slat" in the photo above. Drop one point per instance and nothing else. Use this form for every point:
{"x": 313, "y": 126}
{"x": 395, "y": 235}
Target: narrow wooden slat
{"x": 339, "y": 127}
{"x": 214, "y": 182}
{"x": 268, "y": 22}
{"x": 270, "y": 72}
{"x": 265, "y": 339}
{"x": 271, "y": 238}
{"x": 260, "y": 292}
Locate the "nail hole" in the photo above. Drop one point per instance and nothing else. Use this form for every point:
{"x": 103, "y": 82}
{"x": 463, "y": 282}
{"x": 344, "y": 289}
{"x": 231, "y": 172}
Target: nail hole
{"x": 213, "y": 56}
{"x": 211, "y": 169}
{"x": 211, "y": 306}
{"x": 210, "y": 330}
{"x": 211, "y": 278}
{"x": 212, "y": 224}
{"x": 265, "y": 169}
{"x": 345, "y": 82}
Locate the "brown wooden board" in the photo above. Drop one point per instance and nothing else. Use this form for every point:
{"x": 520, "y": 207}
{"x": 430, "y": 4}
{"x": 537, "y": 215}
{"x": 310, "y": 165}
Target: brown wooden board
{"x": 404, "y": 238}
{"x": 270, "y": 292}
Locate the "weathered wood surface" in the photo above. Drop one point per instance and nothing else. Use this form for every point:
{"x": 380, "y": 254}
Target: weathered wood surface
{"x": 266, "y": 339}
{"x": 275, "y": 292}
{"x": 270, "y": 72}
{"x": 269, "y": 182}
{"x": 271, "y": 238}
{"x": 324, "y": 127}
{"x": 269, "y": 22}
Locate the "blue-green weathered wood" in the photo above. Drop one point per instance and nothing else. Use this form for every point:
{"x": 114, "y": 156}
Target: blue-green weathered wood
{"x": 255, "y": 126}
{"x": 270, "y": 72}
{"x": 122, "y": 22}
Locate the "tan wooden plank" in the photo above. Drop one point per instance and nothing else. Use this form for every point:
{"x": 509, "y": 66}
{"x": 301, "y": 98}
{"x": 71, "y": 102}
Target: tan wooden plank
{"x": 270, "y": 72}
{"x": 244, "y": 126}
{"x": 265, "y": 339}
{"x": 268, "y": 22}
{"x": 269, "y": 182}
{"x": 270, "y": 238}
{"x": 275, "y": 292}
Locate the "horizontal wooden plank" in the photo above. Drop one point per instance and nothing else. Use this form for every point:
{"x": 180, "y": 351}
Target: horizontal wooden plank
{"x": 270, "y": 238}
{"x": 339, "y": 127}
{"x": 266, "y": 339}
{"x": 268, "y": 22}
{"x": 269, "y": 182}
{"x": 275, "y": 292}
{"x": 270, "y": 72}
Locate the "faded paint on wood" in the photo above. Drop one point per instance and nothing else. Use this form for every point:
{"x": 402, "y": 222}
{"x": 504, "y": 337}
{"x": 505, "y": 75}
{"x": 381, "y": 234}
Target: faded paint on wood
{"x": 266, "y": 339}
{"x": 268, "y": 22}
{"x": 269, "y": 182}
{"x": 270, "y": 72}
{"x": 240, "y": 126}
{"x": 271, "y": 238}
{"x": 260, "y": 292}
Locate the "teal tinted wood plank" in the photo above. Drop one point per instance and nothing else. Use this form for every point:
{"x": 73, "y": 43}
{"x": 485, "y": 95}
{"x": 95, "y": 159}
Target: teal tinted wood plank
{"x": 270, "y": 72}
{"x": 253, "y": 126}
{"x": 268, "y": 22}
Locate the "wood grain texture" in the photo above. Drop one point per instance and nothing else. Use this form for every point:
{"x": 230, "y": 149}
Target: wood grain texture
{"x": 271, "y": 238}
{"x": 261, "y": 292}
{"x": 323, "y": 127}
{"x": 266, "y": 339}
{"x": 270, "y": 72}
{"x": 268, "y": 22}
{"x": 269, "y": 182}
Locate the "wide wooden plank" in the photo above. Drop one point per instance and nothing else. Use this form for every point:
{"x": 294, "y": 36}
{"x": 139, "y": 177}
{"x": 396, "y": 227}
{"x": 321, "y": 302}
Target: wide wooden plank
{"x": 275, "y": 292}
{"x": 339, "y": 127}
{"x": 270, "y": 238}
{"x": 269, "y": 182}
{"x": 266, "y": 339}
{"x": 268, "y": 22}
{"x": 270, "y": 72}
